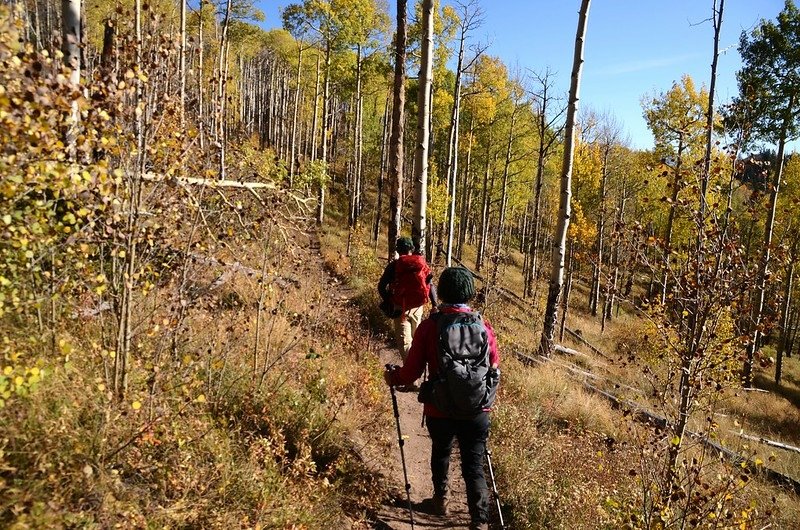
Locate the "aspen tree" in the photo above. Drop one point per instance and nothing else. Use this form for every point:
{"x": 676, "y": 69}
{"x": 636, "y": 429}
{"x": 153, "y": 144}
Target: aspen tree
{"x": 423, "y": 127}
{"x": 71, "y": 38}
{"x": 564, "y": 211}
{"x": 770, "y": 81}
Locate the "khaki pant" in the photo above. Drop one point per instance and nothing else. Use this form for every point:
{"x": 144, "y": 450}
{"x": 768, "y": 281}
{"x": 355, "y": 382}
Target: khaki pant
{"x": 404, "y": 328}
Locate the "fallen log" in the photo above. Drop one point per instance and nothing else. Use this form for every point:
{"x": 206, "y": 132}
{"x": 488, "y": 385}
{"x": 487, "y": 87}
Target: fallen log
{"x": 765, "y": 441}
{"x": 643, "y": 415}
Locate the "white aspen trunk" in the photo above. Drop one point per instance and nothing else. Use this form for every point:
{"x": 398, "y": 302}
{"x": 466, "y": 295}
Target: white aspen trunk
{"x": 293, "y": 158}
{"x": 315, "y": 119}
{"x": 787, "y": 303}
{"x": 359, "y": 171}
{"x": 466, "y": 192}
{"x": 325, "y": 112}
{"x": 182, "y": 66}
{"x": 567, "y": 290}
{"x": 564, "y": 211}
{"x": 71, "y": 39}
{"x": 599, "y": 243}
{"x": 222, "y": 83}
{"x": 769, "y": 226}
{"x": 498, "y": 245}
{"x": 381, "y": 173}
{"x": 452, "y": 156}
{"x": 671, "y": 221}
{"x": 355, "y": 180}
{"x": 423, "y": 130}
{"x": 484, "y": 225}
{"x": 200, "y": 83}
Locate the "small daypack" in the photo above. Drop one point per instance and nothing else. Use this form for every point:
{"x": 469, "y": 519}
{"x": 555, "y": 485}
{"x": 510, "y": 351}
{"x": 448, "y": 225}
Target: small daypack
{"x": 466, "y": 384}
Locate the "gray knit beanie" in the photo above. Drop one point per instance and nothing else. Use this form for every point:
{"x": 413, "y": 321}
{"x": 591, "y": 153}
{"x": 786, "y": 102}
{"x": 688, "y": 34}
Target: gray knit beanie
{"x": 404, "y": 245}
{"x": 456, "y": 285}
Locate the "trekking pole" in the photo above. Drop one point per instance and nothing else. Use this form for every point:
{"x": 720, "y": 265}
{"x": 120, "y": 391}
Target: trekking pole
{"x": 424, "y": 379}
{"x": 401, "y": 442}
{"x": 494, "y": 488}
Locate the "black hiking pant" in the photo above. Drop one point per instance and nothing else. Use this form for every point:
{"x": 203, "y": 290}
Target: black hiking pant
{"x": 471, "y": 435}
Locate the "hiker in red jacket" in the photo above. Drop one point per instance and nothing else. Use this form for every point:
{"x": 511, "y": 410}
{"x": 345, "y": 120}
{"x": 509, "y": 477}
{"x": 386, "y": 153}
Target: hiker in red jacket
{"x": 455, "y": 335}
{"x": 406, "y": 284}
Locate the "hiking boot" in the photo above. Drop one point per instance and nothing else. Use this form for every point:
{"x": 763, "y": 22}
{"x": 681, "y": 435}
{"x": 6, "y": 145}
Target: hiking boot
{"x": 478, "y": 525}
{"x": 439, "y": 505}
{"x": 436, "y": 505}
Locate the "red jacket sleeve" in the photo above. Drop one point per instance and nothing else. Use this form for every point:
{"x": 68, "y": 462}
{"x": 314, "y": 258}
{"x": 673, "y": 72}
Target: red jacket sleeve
{"x": 418, "y": 355}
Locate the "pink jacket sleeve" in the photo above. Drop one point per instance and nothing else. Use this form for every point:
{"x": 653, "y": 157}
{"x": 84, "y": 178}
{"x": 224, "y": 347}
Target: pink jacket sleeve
{"x": 414, "y": 364}
{"x": 494, "y": 355}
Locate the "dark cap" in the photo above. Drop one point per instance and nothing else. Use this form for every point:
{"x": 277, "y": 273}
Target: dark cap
{"x": 456, "y": 285}
{"x": 404, "y": 245}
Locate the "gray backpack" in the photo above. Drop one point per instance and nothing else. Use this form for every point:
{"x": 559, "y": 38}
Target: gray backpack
{"x": 465, "y": 384}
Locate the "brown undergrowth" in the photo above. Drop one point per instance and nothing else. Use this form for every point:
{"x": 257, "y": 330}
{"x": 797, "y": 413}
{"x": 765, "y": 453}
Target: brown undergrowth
{"x": 246, "y": 384}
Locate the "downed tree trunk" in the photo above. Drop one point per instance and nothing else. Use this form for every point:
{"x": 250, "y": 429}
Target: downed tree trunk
{"x": 645, "y": 416}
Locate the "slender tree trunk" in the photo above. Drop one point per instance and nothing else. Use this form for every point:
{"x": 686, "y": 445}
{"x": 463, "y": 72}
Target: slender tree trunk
{"x": 423, "y": 130}
{"x": 503, "y": 198}
{"x": 567, "y": 290}
{"x": 355, "y": 184}
{"x": 792, "y": 330}
{"x": 182, "y": 61}
{"x": 676, "y": 182}
{"x": 769, "y": 226}
{"x": 564, "y": 211}
{"x": 200, "y": 80}
{"x": 223, "y": 106}
{"x": 598, "y": 245}
{"x": 466, "y": 193}
{"x": 325, "y": 112}
{"x": 451, "y": 169}
{"x": 484, "y": 225}
{"x": 381, "y": 174}
{"x": 787, "y": 303}
{"x": 396, "y": 154}
{"x": 293, "y": 157}
{"x": 315, "y": 119}
{"x": 71, "y": 39}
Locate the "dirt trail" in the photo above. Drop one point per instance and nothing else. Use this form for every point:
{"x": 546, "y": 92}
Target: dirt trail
{"x": 417, "y": 451}
{"x": 385, "y": 458}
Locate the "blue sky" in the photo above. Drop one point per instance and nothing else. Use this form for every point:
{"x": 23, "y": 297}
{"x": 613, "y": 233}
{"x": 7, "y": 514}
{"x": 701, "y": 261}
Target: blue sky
{"x": 633, "y": 47}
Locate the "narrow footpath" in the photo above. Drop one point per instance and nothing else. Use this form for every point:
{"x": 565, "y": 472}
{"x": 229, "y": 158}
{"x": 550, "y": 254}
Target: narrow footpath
{"x": 385, "y": 460}
{"x": 417, "y": 452}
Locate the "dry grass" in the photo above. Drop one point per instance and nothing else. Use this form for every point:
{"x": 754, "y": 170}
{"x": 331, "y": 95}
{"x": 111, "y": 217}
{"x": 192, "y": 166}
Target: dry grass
{"x": 556, "y": 408}
{"x": 543, "y": 427}
{"x": 201, "y": 440}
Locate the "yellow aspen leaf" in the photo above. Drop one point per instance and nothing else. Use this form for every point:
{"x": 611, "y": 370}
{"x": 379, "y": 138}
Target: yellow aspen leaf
{"x": 201, "y": 398}
{"x": 676, "y": 440}
{"x": 136, "y": 405}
